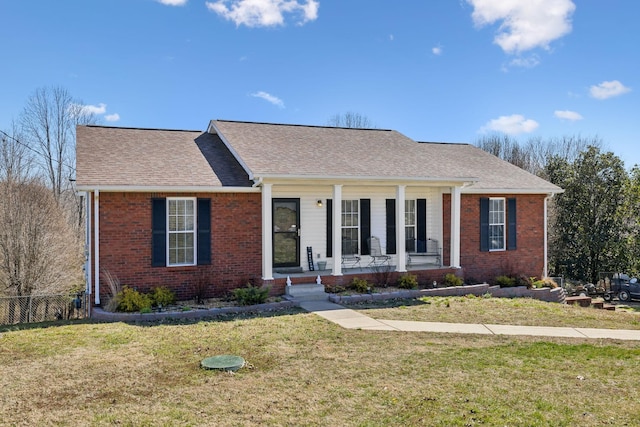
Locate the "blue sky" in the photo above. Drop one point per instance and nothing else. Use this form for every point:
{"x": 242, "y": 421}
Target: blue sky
{"x": 438, "y": 70}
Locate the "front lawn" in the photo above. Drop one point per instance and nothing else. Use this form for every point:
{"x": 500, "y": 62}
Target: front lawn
{"x": 504, "y": 311}
{"x": 306, "y": 371}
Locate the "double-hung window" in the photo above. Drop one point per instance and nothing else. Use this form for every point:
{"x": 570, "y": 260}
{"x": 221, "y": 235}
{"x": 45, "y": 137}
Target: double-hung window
{"x": 410, "y": 225}
{"x": 496, "y": 224}
{"x": 181, "y": 231}
{"x": 350, "y": 227}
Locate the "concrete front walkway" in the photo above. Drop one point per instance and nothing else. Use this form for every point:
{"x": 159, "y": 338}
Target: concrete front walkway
{"x": 351, "y": 319}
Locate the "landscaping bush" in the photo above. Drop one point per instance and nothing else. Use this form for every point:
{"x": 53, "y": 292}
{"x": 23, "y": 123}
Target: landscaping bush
{"x": 451, "y": 279}
{"x": 504, "y": 281}
{"x": 162, "y": 296}
{"x": 130, "y": 300}
{"x": 251, "y": 295}
{"x": 334, "y": 289}
{"x": 407, "y": 281}
{"x": 360, "y": 285}
{"x": 545, "y": 282}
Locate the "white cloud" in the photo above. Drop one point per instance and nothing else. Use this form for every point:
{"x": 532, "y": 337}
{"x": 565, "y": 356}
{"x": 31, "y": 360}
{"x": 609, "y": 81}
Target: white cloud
{"x": 512, "y": 125}
{"x": 173, "y": 2}
{"x": 269, "y": 98}
{"x": 568, "y": 115}
{"x": 391, "y": 37}
{"x": 528, "y": 62}
{"x": 264, "y": 13}
{"x": 98, "y": 110}
{"x": 437, "y": 50}
{"x": 525, "y": 24}
{"x": 93, "y": 109}
{"x": 606, "y": 90}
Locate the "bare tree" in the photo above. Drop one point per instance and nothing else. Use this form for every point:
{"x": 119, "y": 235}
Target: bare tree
{"x": 49, "y": 122}
{"x": 534, "y": 155}
{"x": 350, "y": 120}
{"x": 39, "y": 252}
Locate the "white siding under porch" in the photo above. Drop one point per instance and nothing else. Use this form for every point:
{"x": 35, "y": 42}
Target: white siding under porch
{"x": 313, "y": 217}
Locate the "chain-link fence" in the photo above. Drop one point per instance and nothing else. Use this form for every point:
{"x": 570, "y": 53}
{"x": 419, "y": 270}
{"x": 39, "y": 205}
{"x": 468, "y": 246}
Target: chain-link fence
{"x": 42, "y": 308}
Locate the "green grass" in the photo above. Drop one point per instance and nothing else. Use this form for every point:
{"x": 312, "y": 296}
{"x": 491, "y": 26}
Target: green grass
{"x": 307, "y": 371}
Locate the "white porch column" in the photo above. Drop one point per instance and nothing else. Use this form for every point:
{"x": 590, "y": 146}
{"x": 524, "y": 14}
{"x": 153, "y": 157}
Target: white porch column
{"x": 454, "y": 257}
{"x": 267, "y": 233}
{"x": 336, "y": 238}
{"x": 96, "y": 243}
{"x": 400, "y": 230}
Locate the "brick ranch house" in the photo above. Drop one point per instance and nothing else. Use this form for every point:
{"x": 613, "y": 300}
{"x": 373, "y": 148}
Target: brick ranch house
{"x": 262, "y": 202}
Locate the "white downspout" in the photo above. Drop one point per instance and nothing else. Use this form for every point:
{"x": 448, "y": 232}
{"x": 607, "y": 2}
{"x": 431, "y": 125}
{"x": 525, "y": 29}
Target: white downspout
{"x": 96, "y": 243}
{"x": 87, "y": 242}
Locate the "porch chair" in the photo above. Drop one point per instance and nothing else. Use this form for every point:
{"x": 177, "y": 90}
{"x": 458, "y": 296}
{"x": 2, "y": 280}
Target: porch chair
{"x": 425, "y": 249}
{"x": 351, "y": 261}
{"x": 377, "y": 257}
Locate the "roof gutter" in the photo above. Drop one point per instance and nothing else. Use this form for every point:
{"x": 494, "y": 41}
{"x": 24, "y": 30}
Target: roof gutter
{"x": 361, "y": 178}
{"x": 475, "y": 190}
{"x": 167, "y": 189}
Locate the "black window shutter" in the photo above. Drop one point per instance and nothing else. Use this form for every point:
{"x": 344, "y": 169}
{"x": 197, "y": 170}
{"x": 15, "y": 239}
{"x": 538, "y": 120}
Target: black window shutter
{"x": 511, "y": 221}
{"x": 159, "y": 232}
{"x": 391, "y": 226}
{"x": 484, "y": 224}
{"x": 421, "y": 225}
{"x": 204, "y": 231}
{"x": 329, "y": 228}
{"x": 365, "y": 225}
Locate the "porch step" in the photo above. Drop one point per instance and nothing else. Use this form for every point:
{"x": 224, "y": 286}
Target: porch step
{"x": 306, "y": 292}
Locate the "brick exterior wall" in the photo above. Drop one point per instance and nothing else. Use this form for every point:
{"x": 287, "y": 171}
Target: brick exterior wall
{"x": 527, "y": 259}
{"x": 236, "y": 244}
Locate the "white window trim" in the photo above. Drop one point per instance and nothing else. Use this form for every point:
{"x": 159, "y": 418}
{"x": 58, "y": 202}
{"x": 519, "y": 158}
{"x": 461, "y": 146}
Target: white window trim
{"x": 342, "y": 227}
{"x": 414, "y": 226}
{"x": 195, "y": 231}
{"x": 503, "y": 223}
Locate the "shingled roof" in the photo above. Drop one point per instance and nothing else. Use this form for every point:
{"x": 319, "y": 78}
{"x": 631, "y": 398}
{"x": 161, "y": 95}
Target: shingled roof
{"x": 233, "y": 154}
{"x": 121, "y": 157}
{"x": 276, "y": 150}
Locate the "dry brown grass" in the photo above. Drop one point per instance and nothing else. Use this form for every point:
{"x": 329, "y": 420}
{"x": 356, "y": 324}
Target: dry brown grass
{"x": 307, "y": 371}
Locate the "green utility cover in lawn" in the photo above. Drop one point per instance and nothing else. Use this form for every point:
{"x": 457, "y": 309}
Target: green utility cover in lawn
{"x": 225, "y": 362}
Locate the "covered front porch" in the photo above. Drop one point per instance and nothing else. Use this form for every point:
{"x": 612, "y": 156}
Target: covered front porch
{"x": 326, "y": 229}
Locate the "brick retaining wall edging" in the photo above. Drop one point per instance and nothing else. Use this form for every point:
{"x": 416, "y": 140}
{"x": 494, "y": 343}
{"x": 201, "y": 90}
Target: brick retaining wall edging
{"x": 544, "y": 294}
{"x": 107, "y": 316}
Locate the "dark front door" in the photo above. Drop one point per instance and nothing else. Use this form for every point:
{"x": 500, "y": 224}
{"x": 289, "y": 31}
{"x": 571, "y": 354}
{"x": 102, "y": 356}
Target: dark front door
{"x": 286, "y": 232}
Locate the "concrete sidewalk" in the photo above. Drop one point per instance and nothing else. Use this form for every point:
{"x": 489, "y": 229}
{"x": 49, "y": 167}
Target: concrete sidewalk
{"x": 351, "y": 319}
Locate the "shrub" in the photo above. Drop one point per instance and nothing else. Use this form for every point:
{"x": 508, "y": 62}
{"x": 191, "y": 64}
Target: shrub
{"x": 505, "y": 281}
{"x": 162, "y": 296}
{"x": 334, "y": 289}
{"x": 407, "y": 281}
{"x": 360, "y": 285}
{"x": 251, "y": 295}
{"x": 451, "y": 279}
{"x": 545, "y": 282}
{"x": 130, "y": 300}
